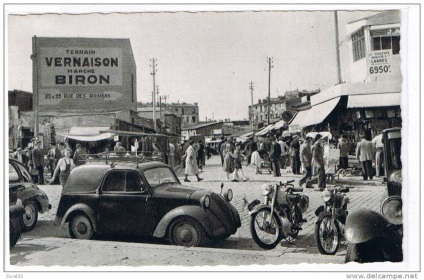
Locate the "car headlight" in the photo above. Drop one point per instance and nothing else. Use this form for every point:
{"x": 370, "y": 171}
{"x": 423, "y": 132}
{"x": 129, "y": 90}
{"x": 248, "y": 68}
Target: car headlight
{"x": 205, "y": 201}
{"x": 326, "y": 196}
{"x": 229, "y": 195}
{"x": 392, "y": 209}
{"x": 266, "y": 189}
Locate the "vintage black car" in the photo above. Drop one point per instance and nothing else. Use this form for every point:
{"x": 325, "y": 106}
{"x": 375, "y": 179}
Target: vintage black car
{"x": 143, "y": 200}
{"x": 33, "y": 199}
{"x": 16, "y": 210}
{"x": 392, "y": 140}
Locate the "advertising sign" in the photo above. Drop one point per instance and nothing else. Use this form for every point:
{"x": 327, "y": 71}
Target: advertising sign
{"x": 73, "y": 67}
{"x": 379, "y": 63}
{"x": 84, "y": 74}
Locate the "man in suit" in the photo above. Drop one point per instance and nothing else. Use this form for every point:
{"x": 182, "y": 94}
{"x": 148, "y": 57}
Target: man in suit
{"x": 53, "y": 155}
{"x": 295, "y": 154}
{"x": 318, "y": 160}
{"x": 306, "y": 158}
{"x": 275, "y": 157}
{"x": 38, "y": 162}
{"x": 365, "y": 154}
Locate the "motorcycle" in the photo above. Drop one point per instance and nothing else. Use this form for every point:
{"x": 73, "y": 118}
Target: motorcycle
{"x": 279, "y": 216}
{"x": 332, "y": 215}
{"x": 375, "y": 237}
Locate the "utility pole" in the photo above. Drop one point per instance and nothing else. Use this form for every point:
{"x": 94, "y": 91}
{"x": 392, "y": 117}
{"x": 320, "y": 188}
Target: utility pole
{"x": 339, "y": 71}
{"x": 269, "y": 85}
{"x": 153, "y": 73}
{"x": 251, "y": 108}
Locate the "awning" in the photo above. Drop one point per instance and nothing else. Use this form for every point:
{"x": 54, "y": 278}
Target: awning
{"x": 264, "y": 130}
{"x": 315, "y": 114}
{"x": 88, "y": 134}
{"x": 374, "y": 100}
{"x": 279, "y": 125}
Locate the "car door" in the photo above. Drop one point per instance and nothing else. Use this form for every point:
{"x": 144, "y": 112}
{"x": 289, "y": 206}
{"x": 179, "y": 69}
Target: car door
{"x": 19, "y": 178}
{"x": 125, "y": 206}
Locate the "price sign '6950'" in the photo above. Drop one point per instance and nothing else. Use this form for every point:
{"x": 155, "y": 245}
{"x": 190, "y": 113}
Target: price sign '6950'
{"x": 379, "y": 62}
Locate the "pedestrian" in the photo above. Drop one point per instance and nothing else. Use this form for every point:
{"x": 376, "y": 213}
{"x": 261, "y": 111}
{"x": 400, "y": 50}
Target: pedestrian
{"x": 275, "y": 156}
{"x": 208, "y": 151}
{"x": 53, "y": 155}
{"x": 295, "y": 155}
{"x": 252, "y": 148}
{"x": 229, "y": 163}
{"x": 238, "y": 157}
{"x": 21, "y": 157}
{"x": 171, "y": 156}
{"x": 306, "y": 158}
{"x": 284, "y": 152}
{"x": 318, "y": 160}
{"x": 77, "y": 158}
{"x": 191, "y": 164}
{"x": 63, "y": 168}
{"x": 379, "y": 155}
{"x": 365, "y": 154}
{"x": 119, "y": 149}
{"x": 61, "y": 147}
{"x": 200, "y": 155}
{"x": 38, "y": 162}
{"x": 221, "y": 149}
{"x": 344, "y": 154}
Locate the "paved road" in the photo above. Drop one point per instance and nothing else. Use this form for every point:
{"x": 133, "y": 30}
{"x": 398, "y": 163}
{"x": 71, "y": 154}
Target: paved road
{"x": 48, "y": 245}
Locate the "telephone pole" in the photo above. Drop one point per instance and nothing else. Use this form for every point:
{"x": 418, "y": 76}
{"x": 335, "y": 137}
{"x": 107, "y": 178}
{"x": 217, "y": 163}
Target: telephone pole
{"x": 251, "y": 108}
{"x": 336, "y": 23}
{"x": 269, "y": 85}
{"x": 153, "y": 73}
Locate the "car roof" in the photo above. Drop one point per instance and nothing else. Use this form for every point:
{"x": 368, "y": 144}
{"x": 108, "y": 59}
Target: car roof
{"x": 87, "y": 177}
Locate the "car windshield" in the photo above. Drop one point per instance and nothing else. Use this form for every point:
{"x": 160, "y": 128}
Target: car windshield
{"x": 159, "y": 176}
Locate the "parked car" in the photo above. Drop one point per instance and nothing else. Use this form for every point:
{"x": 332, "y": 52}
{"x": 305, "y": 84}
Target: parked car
{"x": 144, "y": 200}
{"x": 33, "y": 199}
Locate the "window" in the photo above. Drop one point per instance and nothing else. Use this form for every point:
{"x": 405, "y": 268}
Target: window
{"x": 358, "y": 45}
{"x": 386, "y": 43}
{"x": 120, "y": 181}
{"x": 160, "y": 176}
{"x": 193, "y": 119}
{"x": 386, "y": 39}
{"x": 13, "y": 174}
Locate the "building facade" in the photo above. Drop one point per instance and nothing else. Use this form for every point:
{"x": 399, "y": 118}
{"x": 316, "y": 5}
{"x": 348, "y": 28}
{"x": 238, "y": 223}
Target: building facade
{"x": 368, "y": 100}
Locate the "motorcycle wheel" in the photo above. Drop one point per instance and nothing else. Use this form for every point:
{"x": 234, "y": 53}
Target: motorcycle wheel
{"x": 327, "y": 238}
{"x": 267, "y": 236}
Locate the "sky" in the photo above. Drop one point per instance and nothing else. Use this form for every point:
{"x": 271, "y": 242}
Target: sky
{"x": 205, "y": 57}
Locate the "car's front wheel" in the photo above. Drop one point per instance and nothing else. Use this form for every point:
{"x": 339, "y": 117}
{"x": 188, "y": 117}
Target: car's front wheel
{"x": 30, "y": 217}
{"x": 80, "y": 227}
{"x": 186, "y": 231}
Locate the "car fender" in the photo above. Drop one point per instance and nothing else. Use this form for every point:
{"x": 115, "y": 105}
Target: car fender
{"x": 80, "y": 207}
{"x": 32, "y": 195}
{"x": 205, "y": 218}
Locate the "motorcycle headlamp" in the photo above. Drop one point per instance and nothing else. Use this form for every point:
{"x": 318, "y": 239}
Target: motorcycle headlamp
{"x": 229, "y": 195}
{"x": 326, "y": 195}
{"x": 266, "y": 189}
{"x": 205, "y": 201}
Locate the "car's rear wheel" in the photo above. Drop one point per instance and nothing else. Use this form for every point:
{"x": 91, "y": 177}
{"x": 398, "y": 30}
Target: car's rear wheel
{"x": 80, "y": 227}
{"x": 186, "y": 231}
{"x": 30, "y": 217}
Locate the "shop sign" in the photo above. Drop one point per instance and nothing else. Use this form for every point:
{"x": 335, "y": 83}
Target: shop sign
{"x": 379, "y": 63}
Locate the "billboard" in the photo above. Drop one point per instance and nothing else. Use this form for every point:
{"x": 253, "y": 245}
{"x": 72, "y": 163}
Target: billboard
{"x": 84, "y": 74}
{"x": 63, "y": 67}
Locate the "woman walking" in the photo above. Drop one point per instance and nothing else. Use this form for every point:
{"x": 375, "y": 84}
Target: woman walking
{"x": 191, "y": 164}
{"x": 64, "y": 166}
{"x": 237, "y": 164}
